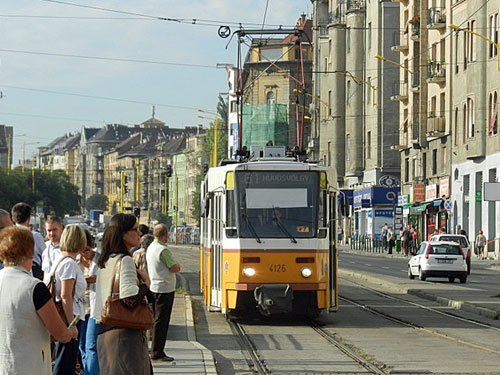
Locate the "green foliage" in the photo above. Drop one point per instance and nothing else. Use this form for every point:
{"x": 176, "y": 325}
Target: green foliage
{"x": 53, "y": 191}
{"x": 97, "y": 202}
{"x": 164, "y": 219}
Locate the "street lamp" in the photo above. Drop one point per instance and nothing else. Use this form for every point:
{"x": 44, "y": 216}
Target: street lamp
{"x": 9, "y": 150}
{"x": 213, "y": 157}
{"x": 393, "y": 63}
{"x": 314, "y": 97}
{"x": 24, "y": 152}
{"x": 497, "y": 46}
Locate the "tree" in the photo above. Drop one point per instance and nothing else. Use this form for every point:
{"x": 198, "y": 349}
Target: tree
{"x": 97, "y": 202}
{"x": 164, "y": 219}
{"x": 52, "y": 191}
{"x": 222, "y": 111}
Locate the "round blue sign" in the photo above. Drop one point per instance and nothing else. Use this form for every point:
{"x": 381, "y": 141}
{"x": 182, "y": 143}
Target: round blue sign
{"x": 388, "y": 181}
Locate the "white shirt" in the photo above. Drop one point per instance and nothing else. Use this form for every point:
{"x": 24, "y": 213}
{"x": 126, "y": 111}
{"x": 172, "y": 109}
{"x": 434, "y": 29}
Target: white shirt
{"x": 50, "y": 256}
{"x": 128, "y": 282}
{"x": 68, "y": 269}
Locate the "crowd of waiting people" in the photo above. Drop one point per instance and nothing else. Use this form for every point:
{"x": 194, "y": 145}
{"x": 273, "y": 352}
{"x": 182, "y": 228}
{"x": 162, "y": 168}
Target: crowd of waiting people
{"x": 47, "y": 284}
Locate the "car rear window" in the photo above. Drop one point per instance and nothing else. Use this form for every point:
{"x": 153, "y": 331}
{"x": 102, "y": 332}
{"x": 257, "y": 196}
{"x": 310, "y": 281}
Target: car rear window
{"x": 460, "y": 240}
{"x": 445, "y": 250}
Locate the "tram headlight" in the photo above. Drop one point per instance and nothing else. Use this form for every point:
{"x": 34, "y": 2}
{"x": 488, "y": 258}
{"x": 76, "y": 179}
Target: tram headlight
{"x": 248, "y": 271}
{"x": 306, "y": 272}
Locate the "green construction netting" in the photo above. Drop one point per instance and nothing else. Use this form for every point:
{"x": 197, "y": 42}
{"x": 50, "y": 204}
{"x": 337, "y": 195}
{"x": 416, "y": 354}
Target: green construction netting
{"x": 263, "y": 123}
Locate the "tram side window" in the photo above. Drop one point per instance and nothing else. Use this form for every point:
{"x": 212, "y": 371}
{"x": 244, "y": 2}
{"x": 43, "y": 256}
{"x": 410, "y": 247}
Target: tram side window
{"x": 230, "y": 214}
{"x": 322, "y": 209}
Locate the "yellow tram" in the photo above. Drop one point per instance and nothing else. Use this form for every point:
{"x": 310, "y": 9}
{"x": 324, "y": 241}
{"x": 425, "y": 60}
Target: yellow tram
{"x": 267, "y": 238}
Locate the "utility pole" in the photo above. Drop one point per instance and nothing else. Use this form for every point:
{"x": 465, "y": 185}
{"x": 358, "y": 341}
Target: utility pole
{"x": 122, "y": 186}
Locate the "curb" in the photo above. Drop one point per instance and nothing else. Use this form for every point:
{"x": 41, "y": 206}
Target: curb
{"x": 459, "y": 305}
{"x": 443, "y": 301}
{"x": 208, "y": 359}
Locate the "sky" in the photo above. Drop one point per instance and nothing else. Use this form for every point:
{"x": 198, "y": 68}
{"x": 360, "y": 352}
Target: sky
{"x": 69, "y": 64}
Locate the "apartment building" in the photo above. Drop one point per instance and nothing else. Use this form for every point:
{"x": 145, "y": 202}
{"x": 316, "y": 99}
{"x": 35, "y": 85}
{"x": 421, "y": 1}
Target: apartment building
{"x": 475, "y": 82}
{"x": 355, "y": 122}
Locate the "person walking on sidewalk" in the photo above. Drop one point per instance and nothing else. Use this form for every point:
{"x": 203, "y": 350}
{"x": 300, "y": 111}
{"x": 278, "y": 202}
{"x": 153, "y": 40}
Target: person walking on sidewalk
{"x": 390, "y": 239}
{"x": 480, "y": 243}
{"x": 406, "y": 241}
{"x": 383, "y": 236}
{"x": 161, "y": 268}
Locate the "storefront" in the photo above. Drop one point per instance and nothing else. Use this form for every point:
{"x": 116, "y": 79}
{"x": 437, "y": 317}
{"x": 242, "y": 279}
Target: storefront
{"x": 373, "y": 208}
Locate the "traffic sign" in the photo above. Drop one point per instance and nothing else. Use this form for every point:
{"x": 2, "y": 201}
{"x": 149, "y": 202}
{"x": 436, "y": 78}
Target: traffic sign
{"x": 448, "y": 205}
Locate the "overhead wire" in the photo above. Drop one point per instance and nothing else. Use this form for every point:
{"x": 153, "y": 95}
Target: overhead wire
{"x": 193, "y": 21}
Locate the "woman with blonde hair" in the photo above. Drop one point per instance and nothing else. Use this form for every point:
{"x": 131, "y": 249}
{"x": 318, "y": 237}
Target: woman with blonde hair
{"x": 70, "y": 286}
{"x": 28, "y": 315}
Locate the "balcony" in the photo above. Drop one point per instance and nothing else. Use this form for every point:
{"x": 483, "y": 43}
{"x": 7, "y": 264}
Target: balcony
{"x": 352, "y": 5}
{"x": 415, "y": 28}
{"x": 399, "y": 91}
{"x": 436, "y": 126}
{"x": 399, "y": 42}
{"x": 436, "y": 71}
{"x": 415, "y": 85}
{"x": 337, "y": 17}
{"x": 436, "y": 18}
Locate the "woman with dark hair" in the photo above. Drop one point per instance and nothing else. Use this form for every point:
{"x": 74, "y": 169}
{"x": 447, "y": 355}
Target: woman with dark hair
{"x": 121, "y": 351}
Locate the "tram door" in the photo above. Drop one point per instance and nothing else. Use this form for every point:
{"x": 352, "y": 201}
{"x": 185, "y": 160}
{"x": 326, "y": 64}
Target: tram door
{"x": 332, "y": 251}
{"x": 216, "y": 249}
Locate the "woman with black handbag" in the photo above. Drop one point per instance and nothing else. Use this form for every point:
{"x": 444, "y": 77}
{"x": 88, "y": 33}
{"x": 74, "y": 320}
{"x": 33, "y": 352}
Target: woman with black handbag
{"x": 121, "y": 350}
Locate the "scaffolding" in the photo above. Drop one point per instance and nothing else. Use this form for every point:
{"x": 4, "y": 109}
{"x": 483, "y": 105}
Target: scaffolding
{"x": 263, "y": 123}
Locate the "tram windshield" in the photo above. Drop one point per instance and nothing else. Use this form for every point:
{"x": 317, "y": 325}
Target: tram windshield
{"x": 277, "y": 204}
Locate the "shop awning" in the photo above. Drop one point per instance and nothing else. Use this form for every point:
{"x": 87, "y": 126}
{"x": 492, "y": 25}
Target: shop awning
{"x": 419, "y": 208}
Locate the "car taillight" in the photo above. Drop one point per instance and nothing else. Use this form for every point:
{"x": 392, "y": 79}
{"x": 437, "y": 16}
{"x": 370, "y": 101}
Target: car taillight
{"x": 427, "y": 252}
{"x": 462, "y": 251}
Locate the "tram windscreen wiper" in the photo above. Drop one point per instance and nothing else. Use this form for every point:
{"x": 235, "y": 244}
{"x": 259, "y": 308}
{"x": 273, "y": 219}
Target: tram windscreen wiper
{"x": 277, "y": 220}
{"x": 251, "y": 227}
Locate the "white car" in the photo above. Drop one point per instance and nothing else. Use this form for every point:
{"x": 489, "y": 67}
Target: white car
{"x": 438, "y": 259}
{"x": 459, "y": 239}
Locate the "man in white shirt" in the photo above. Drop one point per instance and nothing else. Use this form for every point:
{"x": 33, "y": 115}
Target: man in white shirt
{"x": 161, "y": 269}
{"x": 54, "y": 228}
{"x": 21, "y": 215}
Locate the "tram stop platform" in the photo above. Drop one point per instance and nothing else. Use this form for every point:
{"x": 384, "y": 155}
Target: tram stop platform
{"x": 190, "y": 356}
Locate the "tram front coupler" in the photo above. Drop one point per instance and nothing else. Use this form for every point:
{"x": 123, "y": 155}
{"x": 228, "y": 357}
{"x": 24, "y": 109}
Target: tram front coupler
{"x": 274, "y": 299}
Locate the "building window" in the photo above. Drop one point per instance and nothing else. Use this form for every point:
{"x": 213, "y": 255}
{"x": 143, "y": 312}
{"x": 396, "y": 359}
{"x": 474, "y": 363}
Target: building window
{"x": 443, "y": 159}
{"x": 348, "y": 147}
{"x": 369, "y": 145}
{"x": 470, "y": 117}
{"x": 456, "y": 52}
{"x": 348, "y": 92}
{"x": 434, "y": 161}
{"x": 369, "y": 91}
{"x": 493, "y": 27}
{"x": 472, "y": 50}
{"x": 455, "y": 135}
{"x": 424, "y": 165}
{"x": 466, "y": 46}
{"x": 407, "y": 169}
{"x": 369, "y": 35}
{"x": 493, "y": 113}
{"x": 415, "y": 168}
{"x": 329, "y": 153}
{"x": 329, "y": 103}
{"x": 271, "y": 98}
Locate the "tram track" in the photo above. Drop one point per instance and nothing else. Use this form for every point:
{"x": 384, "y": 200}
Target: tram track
{"x": 258, "y": 365}
{"x": 407, "y": 323}
{"x": 254, "y": 360}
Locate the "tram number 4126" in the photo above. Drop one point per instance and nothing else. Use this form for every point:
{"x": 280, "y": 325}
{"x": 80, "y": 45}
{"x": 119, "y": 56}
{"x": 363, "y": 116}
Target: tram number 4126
{"x": 277, "y": 268}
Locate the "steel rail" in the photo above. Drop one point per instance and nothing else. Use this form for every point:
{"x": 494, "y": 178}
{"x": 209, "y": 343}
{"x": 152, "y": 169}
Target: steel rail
{"x": 254, "y": 361}
{"x": 365, "y": 363}
{"x": 417, "y": 327}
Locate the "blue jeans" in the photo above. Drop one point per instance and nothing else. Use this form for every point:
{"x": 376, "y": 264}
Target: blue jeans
{"x": 88, "y": 346}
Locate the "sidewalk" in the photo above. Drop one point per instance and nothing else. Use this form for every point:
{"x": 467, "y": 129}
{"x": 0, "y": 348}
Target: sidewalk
{"x": 190, "y": 356}
{"x": 466, "y": 298}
